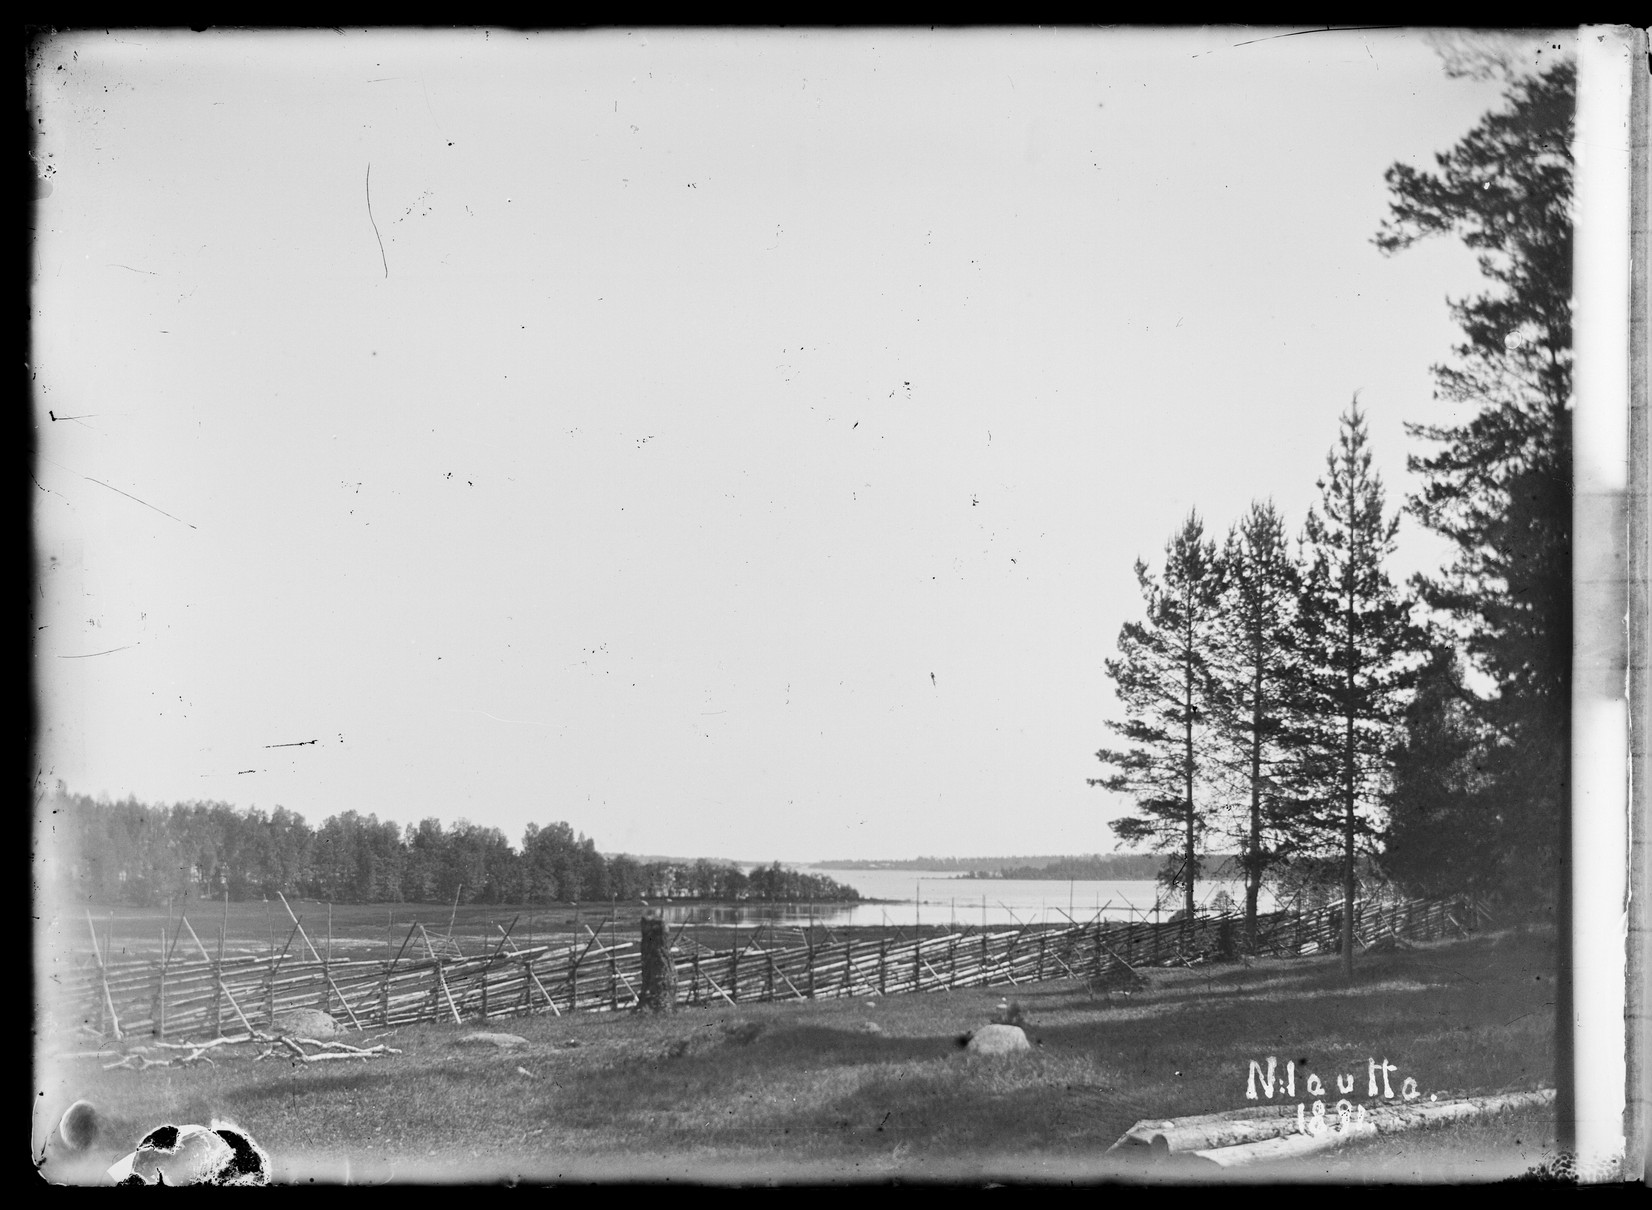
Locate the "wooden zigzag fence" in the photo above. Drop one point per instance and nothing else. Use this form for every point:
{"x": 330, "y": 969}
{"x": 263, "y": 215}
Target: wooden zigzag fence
{"x": 206, "y": 995}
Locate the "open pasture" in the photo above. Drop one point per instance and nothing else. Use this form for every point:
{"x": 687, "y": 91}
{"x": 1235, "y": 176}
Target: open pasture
{"x": 811, "y": 1091}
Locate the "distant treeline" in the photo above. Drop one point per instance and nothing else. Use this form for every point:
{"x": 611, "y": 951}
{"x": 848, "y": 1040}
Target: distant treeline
{"x": 962, "y": 865}
{"x": 1104, "y": 867}
{"x": 1114, "y": 867}
{"x": 130, "y": 852}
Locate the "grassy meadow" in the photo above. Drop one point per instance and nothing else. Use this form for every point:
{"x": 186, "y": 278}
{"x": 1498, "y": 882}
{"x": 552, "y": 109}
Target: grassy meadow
{"x": 811, "y": 1091}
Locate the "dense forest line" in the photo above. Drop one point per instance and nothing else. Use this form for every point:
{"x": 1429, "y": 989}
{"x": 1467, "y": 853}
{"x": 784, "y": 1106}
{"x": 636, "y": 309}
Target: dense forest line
{"x": 134, "y": 853}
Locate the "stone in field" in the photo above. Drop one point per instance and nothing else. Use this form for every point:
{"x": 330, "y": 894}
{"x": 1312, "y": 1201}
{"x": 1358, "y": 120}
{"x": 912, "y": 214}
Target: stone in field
{"x": 998, "y": 1040}
{"x": 306, "y": 1023}
{"x": 742, "y": 1033}
{"x": 870, "y": 1027}
{"x": 503, "y": 1041}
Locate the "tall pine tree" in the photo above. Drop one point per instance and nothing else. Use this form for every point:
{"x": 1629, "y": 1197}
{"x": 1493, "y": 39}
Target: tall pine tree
{"x": 1257, "y": 669}
{"x": 1164, "y": 679}
{"x": 1499, "y": 484}
{"x": 1358, "y": 644}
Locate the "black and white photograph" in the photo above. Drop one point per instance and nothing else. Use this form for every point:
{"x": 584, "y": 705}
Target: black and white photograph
{"x": 853, "y": 606}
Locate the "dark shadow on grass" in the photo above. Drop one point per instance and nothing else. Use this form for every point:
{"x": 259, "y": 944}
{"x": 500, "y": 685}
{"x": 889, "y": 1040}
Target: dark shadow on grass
{"x": 800, "y": 1046}
{"x": 316, "y": 1083}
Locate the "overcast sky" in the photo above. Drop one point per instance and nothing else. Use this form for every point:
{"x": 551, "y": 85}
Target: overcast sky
{"x": 730, "y": 444}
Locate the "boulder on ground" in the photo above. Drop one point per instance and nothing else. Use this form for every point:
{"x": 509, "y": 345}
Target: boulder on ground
{"x": 306, "y": 1023}
{"x": 502, "y": 1041}
{"x": 870, "y": 1027}
{"x": 742, "y": 1033}
{"x": 998, "y": 1040}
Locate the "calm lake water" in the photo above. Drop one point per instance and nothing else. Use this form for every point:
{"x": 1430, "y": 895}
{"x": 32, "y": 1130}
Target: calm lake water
{"x": 939, "y": 897}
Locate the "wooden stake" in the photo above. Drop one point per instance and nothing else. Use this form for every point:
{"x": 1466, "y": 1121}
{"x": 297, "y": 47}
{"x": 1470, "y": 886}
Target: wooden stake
{"x": 160, "y": 991}
{"x": 103, "y": 974}
{"x": 329, "y": 980}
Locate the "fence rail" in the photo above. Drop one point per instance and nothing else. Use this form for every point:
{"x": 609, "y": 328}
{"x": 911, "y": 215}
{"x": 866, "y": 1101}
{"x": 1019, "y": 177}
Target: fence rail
{"x": 177, "y": 996}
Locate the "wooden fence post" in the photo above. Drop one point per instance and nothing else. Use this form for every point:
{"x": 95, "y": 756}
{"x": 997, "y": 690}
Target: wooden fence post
{"x": 159, "y": 1014}
{"x": 659, "y": 972}
{"x": 613, "y": 963}
{"x": 883, "y": 959}
{"x": 768, "y": 969}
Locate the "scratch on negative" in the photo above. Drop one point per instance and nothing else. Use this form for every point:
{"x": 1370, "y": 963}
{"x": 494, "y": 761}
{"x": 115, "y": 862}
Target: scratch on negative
{"x": 301, "y": 743}
{"x": 130, "y": 496}
{"x": 374, "y": 221}
{"x": 89, "y": 654}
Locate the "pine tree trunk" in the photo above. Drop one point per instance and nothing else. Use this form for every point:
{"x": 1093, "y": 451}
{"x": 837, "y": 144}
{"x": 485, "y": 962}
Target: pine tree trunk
{"x": 1348, "y": 762}
{"x": 1187, "y": 857}
{"x": 1253, "y": 867}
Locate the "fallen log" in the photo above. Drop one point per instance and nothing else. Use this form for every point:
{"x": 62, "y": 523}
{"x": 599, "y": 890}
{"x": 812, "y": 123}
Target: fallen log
{"x": 1385, "y": 1119}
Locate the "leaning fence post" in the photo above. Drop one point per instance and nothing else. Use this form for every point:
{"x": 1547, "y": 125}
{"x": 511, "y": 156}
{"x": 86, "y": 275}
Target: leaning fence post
{"x": 216, "y": 1024}
{"x": 159, "y": 1027}
{"x": 326, "y": 966}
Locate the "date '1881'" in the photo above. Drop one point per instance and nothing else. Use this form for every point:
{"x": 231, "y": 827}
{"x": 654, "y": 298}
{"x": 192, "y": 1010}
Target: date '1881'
{"x": 1264, "y": 1083}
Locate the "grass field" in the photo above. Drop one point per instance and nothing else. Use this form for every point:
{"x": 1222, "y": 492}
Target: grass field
{"x": 805, "y": 1091}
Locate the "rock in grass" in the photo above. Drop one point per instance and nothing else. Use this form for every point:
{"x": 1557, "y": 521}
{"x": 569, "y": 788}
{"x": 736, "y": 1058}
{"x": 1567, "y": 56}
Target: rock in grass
{"x": 742, "y": 1033}
{"x": 870, "y": 1027}
{"x": 306, "y": 1023}
{"x": 998, "y": 1040}
{"x": 502, "y": 1041}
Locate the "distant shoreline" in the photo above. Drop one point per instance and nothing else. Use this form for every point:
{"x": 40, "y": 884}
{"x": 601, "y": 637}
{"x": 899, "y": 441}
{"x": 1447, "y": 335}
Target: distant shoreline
{"x": 1092, "y": 867}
